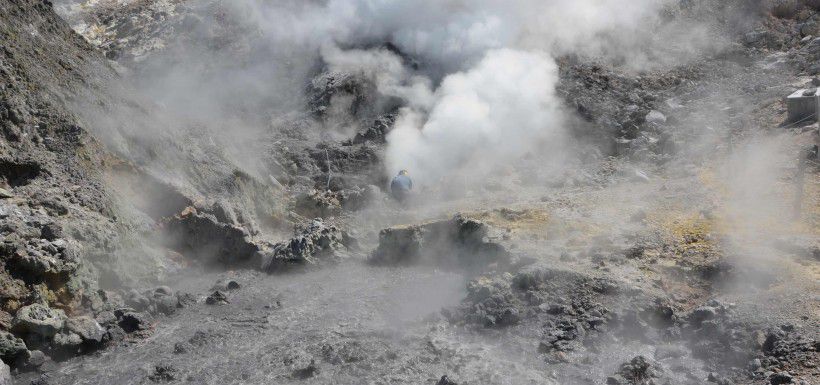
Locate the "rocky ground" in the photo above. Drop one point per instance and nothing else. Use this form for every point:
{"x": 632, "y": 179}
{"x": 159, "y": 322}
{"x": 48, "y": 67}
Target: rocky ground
{"x": 670, "y": 251}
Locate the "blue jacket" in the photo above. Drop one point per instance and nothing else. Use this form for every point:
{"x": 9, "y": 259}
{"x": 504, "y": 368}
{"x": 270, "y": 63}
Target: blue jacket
{"x": 401, "y": 183}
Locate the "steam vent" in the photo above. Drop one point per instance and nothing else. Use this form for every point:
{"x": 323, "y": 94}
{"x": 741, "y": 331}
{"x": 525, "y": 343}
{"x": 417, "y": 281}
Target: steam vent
{"x": 407, "y": 192}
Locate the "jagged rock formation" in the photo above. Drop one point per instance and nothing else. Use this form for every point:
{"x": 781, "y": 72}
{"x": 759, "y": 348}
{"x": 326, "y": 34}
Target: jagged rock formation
{"x": 314, "y": 243}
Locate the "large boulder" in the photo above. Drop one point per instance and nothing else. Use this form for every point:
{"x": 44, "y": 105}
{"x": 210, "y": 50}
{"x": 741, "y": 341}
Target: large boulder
{"x": 88, "y": 329}
{"x": 314, "y": 243}
{"x": 38, "y": 319}
{"x": 461, "y": 242}
{"x": 401, "y": 245}
{"x": 57, "y": 258}
{"x": 203, "y": 236}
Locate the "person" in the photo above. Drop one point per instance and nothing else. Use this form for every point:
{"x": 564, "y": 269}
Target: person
{"x": 401, "y": 186}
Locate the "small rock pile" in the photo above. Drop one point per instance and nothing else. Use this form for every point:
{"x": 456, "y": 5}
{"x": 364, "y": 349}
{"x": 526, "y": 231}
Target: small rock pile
{"x": 639, "y": 371}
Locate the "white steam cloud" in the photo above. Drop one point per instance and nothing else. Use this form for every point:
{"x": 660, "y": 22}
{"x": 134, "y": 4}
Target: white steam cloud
{"x": 502, "y": 108}
{"x": 481, "y": 95}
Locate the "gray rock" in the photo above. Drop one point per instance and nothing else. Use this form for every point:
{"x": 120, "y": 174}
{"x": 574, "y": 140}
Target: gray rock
{"x": 314, "y": 244}
{"x": 137, "y": 301}
{"x": 131, "y": 321}
{"x": 217, "y": 298}
{"x": 166, "y": 304}
{"x": 185, "y": 299}
{"x": 616, "y": 380}
{"x": 164, "y": 373}
{"x": 701, "y": 314}
{"x": 85, "y": 327}
{"x": 399, "y": 245}
{"x": 780, "y": 378}
{"x": 163, "y": 290}
{"x": 639, "y": 370}
{"x": 67, "y": 341}
{"x": 5, "y": 374}
{"x": 457, "y": 243}
{"x": 211, "y": 240}
{"x": 106, "y": 318}
{"x": 224, "y": 213}
{"x": 301, "y": 364}
{"x": 755, "y": 364}
{"x": 35, "y": 359}
{"x": 51, "y": 232}
{"x": 11, "y": 347}
{"x": 39, "y": 319}
{"x": 655, "y": 117}
{"x": 5, "y": 193}
{"x": 446, "y": 381}
{"x": 58, "y": 258}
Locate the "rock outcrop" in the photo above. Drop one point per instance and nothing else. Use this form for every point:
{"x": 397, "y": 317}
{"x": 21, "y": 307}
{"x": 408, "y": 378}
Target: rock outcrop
{"x": 205, "y": 237}
{"x": 457, "y": 243}
{"x": 314, "y": 244}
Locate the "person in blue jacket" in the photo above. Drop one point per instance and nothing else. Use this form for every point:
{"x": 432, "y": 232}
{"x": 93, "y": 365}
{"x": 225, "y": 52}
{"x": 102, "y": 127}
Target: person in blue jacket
{"x": 401, "y": 186}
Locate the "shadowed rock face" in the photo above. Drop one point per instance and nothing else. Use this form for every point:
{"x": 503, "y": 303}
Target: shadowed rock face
{"x": 456, "y": 243}
{"x": 16, "y": 174}
{"x": 210, "y": 240}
